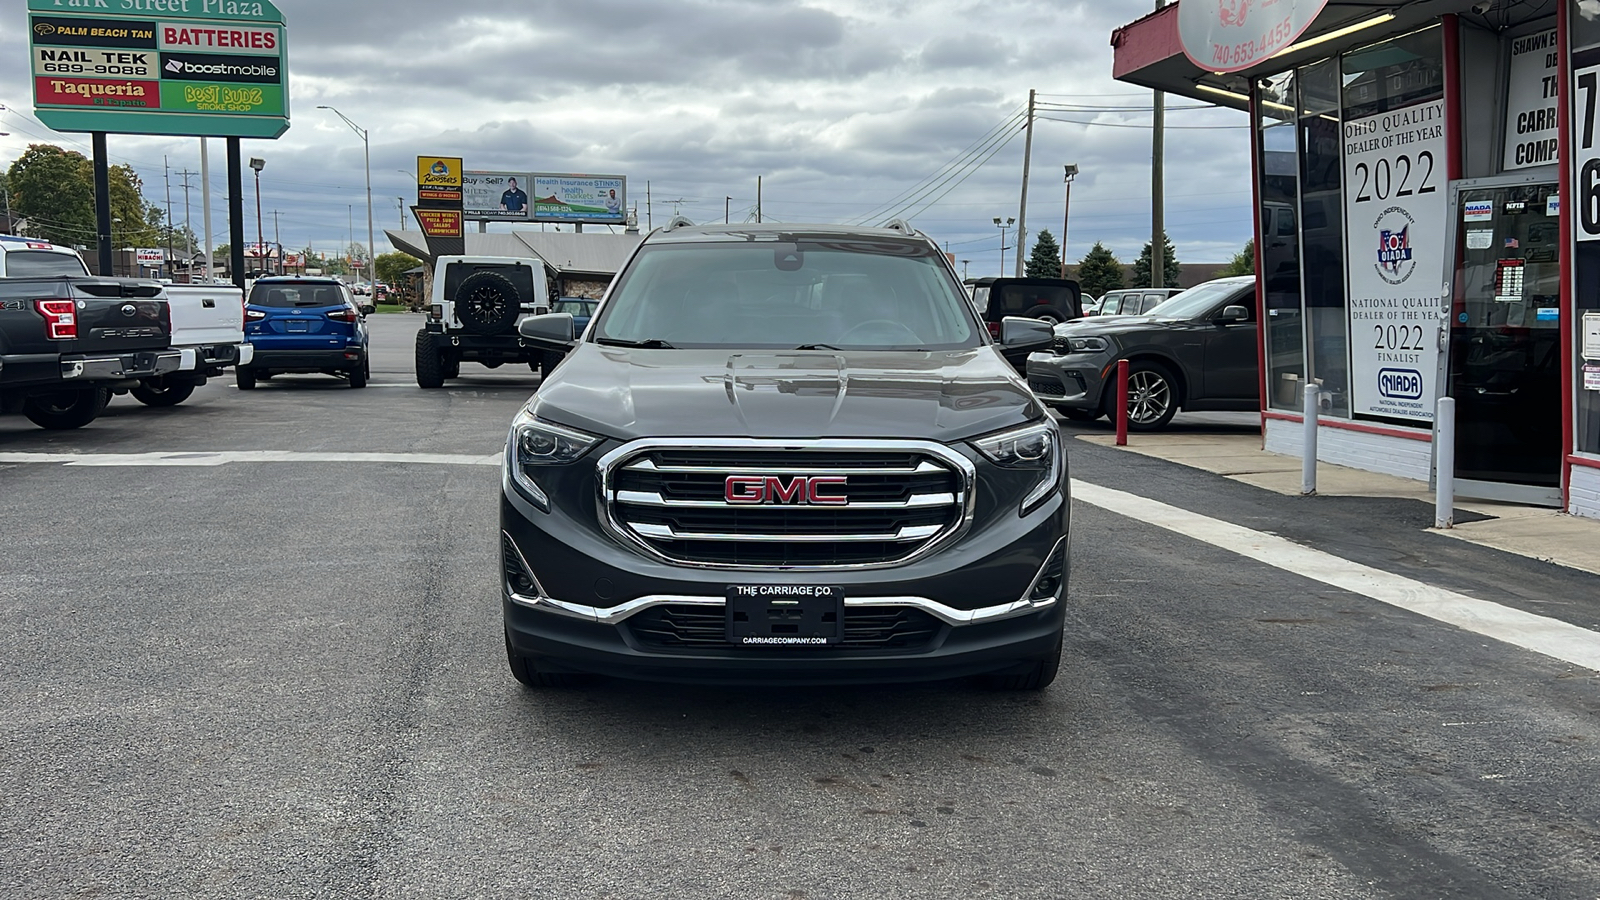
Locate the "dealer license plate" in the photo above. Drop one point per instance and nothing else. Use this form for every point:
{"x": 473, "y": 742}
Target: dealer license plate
{"x": 297, "y": 325}
{"x": 782, "y": 615}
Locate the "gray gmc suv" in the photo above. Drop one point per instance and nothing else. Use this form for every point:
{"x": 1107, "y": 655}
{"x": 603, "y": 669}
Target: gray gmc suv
{"x": 784, "y": 453}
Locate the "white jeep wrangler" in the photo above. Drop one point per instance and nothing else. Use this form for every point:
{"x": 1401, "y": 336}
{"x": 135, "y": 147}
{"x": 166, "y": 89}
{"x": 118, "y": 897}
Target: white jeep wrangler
{"x": 473, "y": 313}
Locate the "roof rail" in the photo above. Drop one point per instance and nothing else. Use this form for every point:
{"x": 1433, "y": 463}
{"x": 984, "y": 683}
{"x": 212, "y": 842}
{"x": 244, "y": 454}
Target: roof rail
{"x": 678, "y": 222}
{"x": 902, "y": 226}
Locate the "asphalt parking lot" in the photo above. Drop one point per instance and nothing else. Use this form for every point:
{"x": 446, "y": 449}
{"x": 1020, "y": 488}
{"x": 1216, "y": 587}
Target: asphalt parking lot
{"x": 236, "y": 678}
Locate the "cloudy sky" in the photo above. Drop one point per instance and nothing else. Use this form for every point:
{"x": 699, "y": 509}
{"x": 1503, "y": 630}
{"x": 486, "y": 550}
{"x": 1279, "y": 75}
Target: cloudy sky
{"x": 849, "y": 110}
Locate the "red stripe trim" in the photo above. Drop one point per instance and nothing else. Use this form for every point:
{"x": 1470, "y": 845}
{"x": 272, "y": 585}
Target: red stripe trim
{"x": 1568, "y": 323}
{"x": 1583, "y": 461}
{"x": 1409, "y": 434}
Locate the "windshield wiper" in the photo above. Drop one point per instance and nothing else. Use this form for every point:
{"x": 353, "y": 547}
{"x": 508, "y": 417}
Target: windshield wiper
{"x": 647, "y": 344}
{"x": 818, "y": 347}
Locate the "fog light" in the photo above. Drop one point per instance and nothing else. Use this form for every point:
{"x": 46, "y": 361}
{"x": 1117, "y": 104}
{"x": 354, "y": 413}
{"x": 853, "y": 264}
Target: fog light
{"x": 1049, "y": 583}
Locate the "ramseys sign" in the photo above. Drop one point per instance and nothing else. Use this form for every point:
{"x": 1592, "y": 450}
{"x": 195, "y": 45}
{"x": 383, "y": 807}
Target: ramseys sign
{"x": 1230, "y": 35}
{"x": 178, "y": 67}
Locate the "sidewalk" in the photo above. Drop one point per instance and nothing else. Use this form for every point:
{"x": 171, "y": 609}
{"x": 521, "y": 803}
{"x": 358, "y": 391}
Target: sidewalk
{"x": 1543, "y": 534}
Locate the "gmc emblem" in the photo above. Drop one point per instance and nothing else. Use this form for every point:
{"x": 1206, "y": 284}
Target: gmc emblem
{"x": 814, "y": 490}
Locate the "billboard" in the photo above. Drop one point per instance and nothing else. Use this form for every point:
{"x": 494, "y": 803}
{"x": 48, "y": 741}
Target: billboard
{"x": 208, "y": 69}
{"x": 583, "y": 199}
{"x": 152, "y": 257}
{"x": 496, "y": 196}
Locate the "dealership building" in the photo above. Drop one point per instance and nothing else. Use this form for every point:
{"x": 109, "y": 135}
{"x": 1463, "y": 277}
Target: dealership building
{"x": 1427, "y": 182}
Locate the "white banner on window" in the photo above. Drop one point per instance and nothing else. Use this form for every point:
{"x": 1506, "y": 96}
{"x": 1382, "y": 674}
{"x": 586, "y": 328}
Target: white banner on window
{"x": 1531, "y": 95}
{"x": 1585, "y": 149}
{"x": 1396, "y": 210}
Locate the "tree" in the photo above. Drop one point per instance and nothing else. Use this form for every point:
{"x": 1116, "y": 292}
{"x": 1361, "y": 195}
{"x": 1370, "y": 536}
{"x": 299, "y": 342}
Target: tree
{"x": 1169, "y": 266}
{"x": 1243, "y": 262}
{"x": 54, "y": 190}
{"x": 389, "y": 266}
{"x": 1046, "y": 259}
{"x": 1099, "y": 272}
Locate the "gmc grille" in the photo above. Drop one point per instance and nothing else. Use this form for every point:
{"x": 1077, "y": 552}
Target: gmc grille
{"x": 902, "y": 502}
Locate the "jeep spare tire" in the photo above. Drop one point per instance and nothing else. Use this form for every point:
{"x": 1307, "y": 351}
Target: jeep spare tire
{"x": 487, "y": 303}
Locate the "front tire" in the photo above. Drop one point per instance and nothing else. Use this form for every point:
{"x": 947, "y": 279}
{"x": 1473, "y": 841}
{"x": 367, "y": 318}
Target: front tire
{"x": 64, "y": 410}
{"x": 160, "y": 392}
{"x": 430, "y": 369}
{"x": 1152, "y": 396}
{"x": 1081, "y": 415}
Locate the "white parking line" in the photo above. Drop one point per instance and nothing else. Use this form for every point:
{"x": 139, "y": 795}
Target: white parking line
{"x": 1541, "y": 634}
{"x": 202, "y": 459}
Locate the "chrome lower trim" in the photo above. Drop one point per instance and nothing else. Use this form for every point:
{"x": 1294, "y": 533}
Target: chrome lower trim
{"x": 613, "y": 460}
{"x": 612, "y": 615}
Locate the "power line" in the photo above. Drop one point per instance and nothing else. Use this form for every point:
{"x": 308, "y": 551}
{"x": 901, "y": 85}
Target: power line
{"x": 960, "y": 159}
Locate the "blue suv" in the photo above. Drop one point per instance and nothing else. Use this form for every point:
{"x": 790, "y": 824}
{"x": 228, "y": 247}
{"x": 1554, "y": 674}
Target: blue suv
{"x": 300, "y": 325}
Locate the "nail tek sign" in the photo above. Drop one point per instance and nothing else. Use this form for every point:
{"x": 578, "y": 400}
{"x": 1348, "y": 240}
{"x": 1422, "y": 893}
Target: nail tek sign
{"x": 179, "y": 67}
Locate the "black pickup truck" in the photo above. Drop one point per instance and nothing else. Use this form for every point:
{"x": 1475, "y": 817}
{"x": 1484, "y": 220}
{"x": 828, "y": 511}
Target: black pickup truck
{"x": 67, "y": 341}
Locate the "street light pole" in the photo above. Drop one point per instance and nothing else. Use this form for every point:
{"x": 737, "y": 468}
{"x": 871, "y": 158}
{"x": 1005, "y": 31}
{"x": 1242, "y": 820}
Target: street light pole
{"x": 1003, "y": 225}
{"x": 367, "y": 149}
{"x": 257, "y": 163}
{"x": 1066, "y": 215}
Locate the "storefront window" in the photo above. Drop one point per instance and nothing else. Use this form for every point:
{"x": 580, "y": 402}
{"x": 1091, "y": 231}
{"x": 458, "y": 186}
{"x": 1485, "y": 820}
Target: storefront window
{"x": 1322, "y": 233}
{"x": 1280, "y": 239}
{"x": 1585, "y": 37}
{"x": 1394, "y": 74}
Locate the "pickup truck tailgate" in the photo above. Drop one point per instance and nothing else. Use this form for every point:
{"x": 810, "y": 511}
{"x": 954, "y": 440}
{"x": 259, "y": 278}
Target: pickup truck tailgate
{"x": 206, "y": 314}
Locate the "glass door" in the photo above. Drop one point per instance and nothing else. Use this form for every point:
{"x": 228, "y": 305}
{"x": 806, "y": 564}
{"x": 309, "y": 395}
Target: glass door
{"x": 1504, "y": 361}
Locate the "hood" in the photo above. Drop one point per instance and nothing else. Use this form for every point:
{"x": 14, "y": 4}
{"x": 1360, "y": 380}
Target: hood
{"x": 1113, "y": 325}
{"x": 943, "y": 396}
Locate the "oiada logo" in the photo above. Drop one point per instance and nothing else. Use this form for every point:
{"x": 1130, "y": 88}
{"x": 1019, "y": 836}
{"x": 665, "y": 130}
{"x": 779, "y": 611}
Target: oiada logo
{"x": 1400, "y": 384}
{"x": 801, "y": 490}
{"x": 1394, "y": 264}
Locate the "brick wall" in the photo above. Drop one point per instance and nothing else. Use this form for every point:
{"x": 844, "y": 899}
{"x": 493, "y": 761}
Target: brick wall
{"x": 1584, "y": 492}
{"x": 1356, "y": 449}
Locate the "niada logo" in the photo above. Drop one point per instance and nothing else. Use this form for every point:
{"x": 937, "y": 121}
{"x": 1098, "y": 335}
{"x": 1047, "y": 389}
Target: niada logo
{"x": 1400, "y": 384}
{"x": 1393, "y": 226}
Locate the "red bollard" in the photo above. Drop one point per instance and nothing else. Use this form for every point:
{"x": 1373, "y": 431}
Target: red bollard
{"x": 1122, "y": 403}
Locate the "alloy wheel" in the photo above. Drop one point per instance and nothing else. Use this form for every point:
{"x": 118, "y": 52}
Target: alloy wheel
{"x": 1149, "y": 397}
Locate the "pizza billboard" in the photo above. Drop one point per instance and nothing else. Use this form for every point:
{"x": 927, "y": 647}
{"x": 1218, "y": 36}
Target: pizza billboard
{"x": 210, "y": 68}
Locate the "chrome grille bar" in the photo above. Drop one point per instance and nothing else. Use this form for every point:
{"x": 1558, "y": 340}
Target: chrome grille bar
{"x": 907, "y": 533}
{"x": 649, "y": 465}
{"x": 915, "y": 501}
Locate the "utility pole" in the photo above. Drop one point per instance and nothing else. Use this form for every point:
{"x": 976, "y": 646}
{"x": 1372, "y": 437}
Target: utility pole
{"x": 649, "y": 210}
{"x": 1158, "y": 224}
{"x": 758, "y": 199}
{"x": 401, "y": 202}
{"x": 1022, "y": 208}
{"x": 726, "y": 202}
{"x": 166, "y": 173}
{"x": 188, "y": 232}
{"x": 276, "y": 243}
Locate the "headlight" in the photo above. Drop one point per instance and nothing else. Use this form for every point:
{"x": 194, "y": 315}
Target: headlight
{"x": 534, "y": 443}
{"x": 1035, "y": 447}
{"x": 1085, "y": 344}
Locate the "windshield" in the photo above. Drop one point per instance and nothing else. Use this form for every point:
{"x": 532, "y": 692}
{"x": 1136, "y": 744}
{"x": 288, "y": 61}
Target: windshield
{"x": 43, "y": 263}
{"x": 857, "y": 294}
{"x": 1195, "y": 301}
{"x": 293, "y": 294}
{"x": 574, "y": 307}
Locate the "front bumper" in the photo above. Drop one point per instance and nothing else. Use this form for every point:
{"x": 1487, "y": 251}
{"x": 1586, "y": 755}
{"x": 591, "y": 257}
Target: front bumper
{"x": 1074, "y": 381}
{"x": 587, "y": 602}
{"x": 119, "y": 366}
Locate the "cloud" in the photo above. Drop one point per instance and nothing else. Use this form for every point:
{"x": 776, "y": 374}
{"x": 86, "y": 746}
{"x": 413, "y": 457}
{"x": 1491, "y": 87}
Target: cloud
{"x": 845, "y": 110}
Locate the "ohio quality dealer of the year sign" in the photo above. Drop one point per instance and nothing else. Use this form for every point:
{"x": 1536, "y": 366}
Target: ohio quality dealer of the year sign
{"x": 211, "y": 68}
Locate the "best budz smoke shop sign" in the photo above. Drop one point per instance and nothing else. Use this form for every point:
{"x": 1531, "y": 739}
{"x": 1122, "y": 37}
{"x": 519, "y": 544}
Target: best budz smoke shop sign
{"x": 214, "y": 68}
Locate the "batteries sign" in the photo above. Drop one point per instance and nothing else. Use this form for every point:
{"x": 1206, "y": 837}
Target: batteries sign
{"x": 178, "y": 67}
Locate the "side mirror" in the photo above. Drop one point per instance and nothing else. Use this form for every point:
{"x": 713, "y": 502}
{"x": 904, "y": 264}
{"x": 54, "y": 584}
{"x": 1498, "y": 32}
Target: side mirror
{"x": 1016, "y": 331}
{"x": 1233, "y": 313}
{"x": 368, "y": 309}
{"x": 551, "y": 331}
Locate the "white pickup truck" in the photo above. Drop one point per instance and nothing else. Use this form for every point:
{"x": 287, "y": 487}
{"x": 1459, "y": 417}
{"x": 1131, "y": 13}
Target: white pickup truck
{"x": 207, "y": 320}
